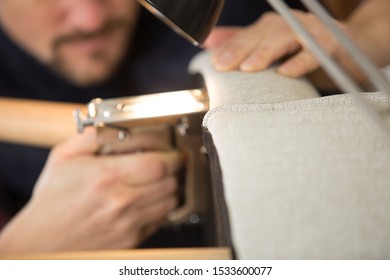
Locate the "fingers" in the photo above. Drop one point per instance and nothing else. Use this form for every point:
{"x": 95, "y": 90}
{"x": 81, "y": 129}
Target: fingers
{"x": 256, "y": 47}
{"x": 142, "y": 210}
{"x": 159, "y": 191}
{"x": 230, "y": 54}
{"x": 157, "y": 212}
{"x": 148, "y": 230}
{"x": 143, "y": 168}
{"x": 151, "y": 218}
{"x": 299, "y": 65}
{"x": 78, "y": 145}
{"x": 146, "y": 195}
{"x": 269, "y": 50}
{"x": 305, "y": 62}
{"x": 220, "y": 35}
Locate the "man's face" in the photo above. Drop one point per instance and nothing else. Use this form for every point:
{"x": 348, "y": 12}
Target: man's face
{"x": 83, "y": 40}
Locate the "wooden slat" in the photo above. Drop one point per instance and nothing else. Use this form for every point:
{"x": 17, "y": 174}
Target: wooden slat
{"x": 36, "y": 123}
{"x": 213, "y": 253}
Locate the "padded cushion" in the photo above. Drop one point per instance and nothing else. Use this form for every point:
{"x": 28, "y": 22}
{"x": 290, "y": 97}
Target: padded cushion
{"x": 228, "y": 88}
{"x": 305, "y": 177}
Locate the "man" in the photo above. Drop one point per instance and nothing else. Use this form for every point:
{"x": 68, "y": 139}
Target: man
{"x": 75, "y": 51}
{"x": 83, "y": 42}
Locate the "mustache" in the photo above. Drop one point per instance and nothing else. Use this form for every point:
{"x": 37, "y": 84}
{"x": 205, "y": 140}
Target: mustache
{"x": 107, "y": 28}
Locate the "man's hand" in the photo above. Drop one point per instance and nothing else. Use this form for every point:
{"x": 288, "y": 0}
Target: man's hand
{"x": 86, "y": 202}
{"x": 256, "y": 47}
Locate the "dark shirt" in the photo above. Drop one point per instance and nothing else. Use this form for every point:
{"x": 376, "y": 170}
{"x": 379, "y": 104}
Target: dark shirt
{"x": 156, "y": 62}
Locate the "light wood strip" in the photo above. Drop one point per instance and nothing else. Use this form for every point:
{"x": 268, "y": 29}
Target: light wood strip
{"x": 212, "y": 253}
{"x": 36, "y": 123}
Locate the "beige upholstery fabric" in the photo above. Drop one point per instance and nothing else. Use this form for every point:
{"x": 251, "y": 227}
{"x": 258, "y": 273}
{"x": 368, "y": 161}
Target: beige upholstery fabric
{"x": 386, "y": 71}
{"x": 228, "y": 88}
{"x": 304, "y": 178}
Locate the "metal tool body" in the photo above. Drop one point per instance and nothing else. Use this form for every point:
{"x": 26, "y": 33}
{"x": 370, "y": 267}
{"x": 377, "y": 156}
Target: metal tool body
{"x": 173, "y": 121}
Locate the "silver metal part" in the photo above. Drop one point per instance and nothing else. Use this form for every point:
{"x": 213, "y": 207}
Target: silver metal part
{"x": 122, "y": 135}
{"x": 183, "y": 126}
{"x": 162, "y": 121}
{"x": 343, "y": 80}
{"x": 378, "y": 79}
{"x": 339, "y": 76}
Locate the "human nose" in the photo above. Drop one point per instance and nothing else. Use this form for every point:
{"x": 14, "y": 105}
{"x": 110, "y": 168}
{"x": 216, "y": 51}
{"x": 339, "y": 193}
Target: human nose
{"x": 87, "y": 15}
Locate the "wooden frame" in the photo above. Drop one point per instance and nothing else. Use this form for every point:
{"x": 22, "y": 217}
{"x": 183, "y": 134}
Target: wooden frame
{"x": 36, "y": 123}
{"x": 213, "y": 253}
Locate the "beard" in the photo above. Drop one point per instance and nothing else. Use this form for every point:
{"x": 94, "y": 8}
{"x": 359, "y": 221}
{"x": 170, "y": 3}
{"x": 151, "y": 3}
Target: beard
{"x": 96, "y": 66}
